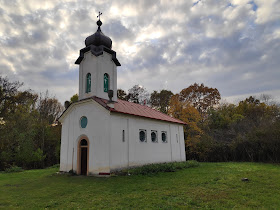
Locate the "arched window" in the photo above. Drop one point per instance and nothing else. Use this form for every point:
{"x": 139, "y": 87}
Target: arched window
{"x": 142, "y": 136}
{"x": 163, "y": 136}
{"x": 88, "y": 83}
{"x": 106, "y": 82}
{"x": 83, "y": 142}
{"x": 154, "y": 136}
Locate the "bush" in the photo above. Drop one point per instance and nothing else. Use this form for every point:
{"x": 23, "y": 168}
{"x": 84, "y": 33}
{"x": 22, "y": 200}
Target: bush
{"x": 191, "y": 164}
{"x": 13, "y": 169}
{"x": 159, "y": 167}
{"x": 54, "y": 166}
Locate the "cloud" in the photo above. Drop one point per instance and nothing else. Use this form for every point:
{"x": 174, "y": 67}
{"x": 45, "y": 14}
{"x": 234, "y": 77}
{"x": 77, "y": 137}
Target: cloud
{"x": 268, "y": 11}
{"x": 231, "y": 45}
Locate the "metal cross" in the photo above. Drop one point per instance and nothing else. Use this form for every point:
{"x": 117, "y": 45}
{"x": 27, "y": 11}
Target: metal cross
{"x": 98, "y": 16}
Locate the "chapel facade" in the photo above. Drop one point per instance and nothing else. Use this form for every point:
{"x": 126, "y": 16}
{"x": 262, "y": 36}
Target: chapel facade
{"x": 101, "y": 133}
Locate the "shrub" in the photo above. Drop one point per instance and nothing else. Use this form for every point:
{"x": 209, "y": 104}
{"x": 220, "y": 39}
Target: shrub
{"x": 160, "y": 167}
{"x": 191, "y": 164}
{"x": 13, "y": 169}
{"x": 54, "y": 166}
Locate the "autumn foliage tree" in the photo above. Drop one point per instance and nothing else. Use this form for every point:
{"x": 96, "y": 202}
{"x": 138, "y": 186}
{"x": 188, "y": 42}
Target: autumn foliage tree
{"x": 187, "y": 113}
{"x": 160, "y": 100}
{"x": 191, "y": 106}
{"x": 201, "y": 97}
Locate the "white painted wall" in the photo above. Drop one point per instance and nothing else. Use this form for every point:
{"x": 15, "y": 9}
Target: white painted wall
{"x": 107, "y": 151}
{"x": 132, "y": 152}
{"x": 97, "y": 131}
{"x": 97, "y": 67}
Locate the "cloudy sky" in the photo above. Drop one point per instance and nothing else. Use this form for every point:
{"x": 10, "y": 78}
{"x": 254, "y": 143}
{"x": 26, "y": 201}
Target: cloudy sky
{"x": 232, "y": 45}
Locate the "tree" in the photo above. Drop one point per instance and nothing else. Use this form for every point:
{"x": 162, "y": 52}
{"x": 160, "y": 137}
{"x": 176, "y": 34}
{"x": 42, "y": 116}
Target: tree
{"x": 252, "y": 109}
{"x": 49, "y": 108}
{"x": 17, "y": 134}
{"x": 74, "y": 98}
{"x": 160, "y": 100}
{"x": 201, "y": 97}
{"x": 27, "y": 138}
{"x": 192, "y": 132}
{"x": 121, "y": 94}
{"x": 8, "y": 92}
{"x": 138, "y": 94}
{"x": 223, "y": 116}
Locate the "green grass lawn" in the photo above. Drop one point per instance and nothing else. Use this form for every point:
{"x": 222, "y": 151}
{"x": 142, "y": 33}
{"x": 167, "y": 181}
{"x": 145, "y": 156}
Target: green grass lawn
{"x": 211, "y": 185}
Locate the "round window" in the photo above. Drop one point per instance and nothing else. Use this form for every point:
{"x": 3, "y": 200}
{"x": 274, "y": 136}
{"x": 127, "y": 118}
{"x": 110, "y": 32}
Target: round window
{"x": 142, "y": 136}
{"x": 83, "y": 122}
{"x": 154, "y": 136}
{"x": 163, "y": 137}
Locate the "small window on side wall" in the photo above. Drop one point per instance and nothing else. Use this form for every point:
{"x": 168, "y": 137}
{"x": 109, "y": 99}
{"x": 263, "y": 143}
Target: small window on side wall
{"x": 142, "y": 135}
{"x": 106, "y": 82}
{"x": 88, "y": 83}
{"x": 164, "y": 136}
{"x": 154, "y": 136}
{"x": 123, "y": 136}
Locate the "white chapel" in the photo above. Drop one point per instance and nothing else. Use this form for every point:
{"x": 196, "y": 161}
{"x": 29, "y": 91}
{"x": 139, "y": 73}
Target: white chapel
{"x": 101, "y": 133}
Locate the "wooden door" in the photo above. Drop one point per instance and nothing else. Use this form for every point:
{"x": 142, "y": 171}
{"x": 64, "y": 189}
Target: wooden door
{"x": 84, "y": 160}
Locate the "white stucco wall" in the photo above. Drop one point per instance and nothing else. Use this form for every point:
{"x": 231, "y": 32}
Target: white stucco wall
{"x": 107, "y": 150}
{"x": 97, "y": 67}
{"x": 97, "y": 131}
{"x": 132, "y": 152}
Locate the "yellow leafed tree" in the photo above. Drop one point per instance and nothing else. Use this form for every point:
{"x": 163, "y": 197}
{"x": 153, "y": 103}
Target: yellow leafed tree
{"x": 187, "y": 113}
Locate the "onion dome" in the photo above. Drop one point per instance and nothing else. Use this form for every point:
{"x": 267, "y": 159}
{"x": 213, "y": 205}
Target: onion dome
{"x": 98, "y": 38}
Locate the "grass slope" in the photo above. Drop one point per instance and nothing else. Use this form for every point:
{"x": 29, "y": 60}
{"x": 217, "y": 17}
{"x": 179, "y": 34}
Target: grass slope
{"x": 211, "y": 185}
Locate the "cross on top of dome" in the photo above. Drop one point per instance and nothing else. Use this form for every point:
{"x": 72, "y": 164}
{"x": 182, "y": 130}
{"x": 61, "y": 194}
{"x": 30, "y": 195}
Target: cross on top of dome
{"x": 99, "y": 23}
{"x": 98, "y": 38}
{"x": 98, "y": 16}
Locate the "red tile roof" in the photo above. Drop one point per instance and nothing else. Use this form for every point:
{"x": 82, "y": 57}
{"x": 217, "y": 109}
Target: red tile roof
{"x": 130, "y": 108}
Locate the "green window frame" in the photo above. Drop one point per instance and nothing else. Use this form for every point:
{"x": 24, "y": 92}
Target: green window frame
{"x": 88, "y": 83}
{"x": 106, "y": 82}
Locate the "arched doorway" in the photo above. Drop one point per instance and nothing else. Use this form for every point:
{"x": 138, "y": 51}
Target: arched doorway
{"x": 83, "y": 150}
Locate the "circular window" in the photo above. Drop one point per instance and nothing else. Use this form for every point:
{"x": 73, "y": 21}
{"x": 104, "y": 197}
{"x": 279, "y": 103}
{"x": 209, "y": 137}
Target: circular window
{"x": 163, "y": 137}
{"x": 83, "y": 122}
{"x": 142, "y": 136}
{"x": 154, "y": 136}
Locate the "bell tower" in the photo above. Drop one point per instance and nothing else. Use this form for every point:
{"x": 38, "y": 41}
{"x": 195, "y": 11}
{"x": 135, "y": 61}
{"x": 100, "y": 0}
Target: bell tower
{"x": 97, "y": 66}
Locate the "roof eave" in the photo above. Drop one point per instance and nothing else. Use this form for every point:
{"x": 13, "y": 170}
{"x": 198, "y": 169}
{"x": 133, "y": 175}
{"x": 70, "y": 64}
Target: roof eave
{"x": 113, "y": 110}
